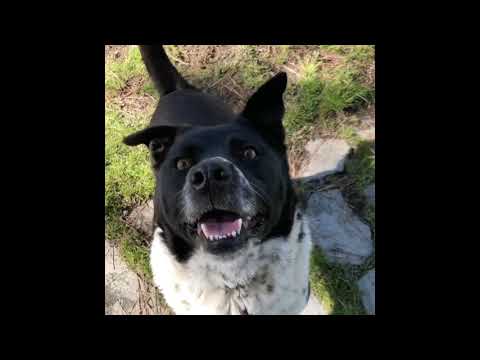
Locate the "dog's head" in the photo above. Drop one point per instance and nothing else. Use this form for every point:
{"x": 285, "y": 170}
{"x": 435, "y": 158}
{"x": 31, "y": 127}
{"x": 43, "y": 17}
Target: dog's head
{"x": 221, "y": 178}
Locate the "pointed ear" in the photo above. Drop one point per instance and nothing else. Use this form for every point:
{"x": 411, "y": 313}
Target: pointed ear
{"x": 158, "y": 140}
{"x": 265, "y": 109}
{"x": 146, "y": 135}
{"x": 162, "y": 72}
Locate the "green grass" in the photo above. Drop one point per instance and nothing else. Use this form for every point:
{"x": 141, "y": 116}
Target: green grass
{"x": 322, "y": 93}
{"x": 334, "y": 286}
{"x": 117, "y": 73}
{"x": 307, "y": 102}
{"x": 131, "y": 244}
{"x": 328, "y": 83}
{"x": 361, "y": 167}
{"x": 128, "y": 178}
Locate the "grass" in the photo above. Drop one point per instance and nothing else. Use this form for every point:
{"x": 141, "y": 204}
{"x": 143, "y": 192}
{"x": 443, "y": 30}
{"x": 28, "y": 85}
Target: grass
{"x": 128, "y": 178}
{"x": 327, "y": 85}
{"x": 335, "y": 286}
{"x": 117, "y": 73}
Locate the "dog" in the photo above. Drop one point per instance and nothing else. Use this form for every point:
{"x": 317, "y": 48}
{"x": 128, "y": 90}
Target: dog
{"x": 229, "y": 234}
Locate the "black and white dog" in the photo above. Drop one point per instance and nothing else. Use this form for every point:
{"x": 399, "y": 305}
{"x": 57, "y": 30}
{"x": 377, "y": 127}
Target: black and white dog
{"x": 229, "y": 236}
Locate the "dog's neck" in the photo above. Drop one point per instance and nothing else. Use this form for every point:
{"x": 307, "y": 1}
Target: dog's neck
{"x": 265, "y": 277}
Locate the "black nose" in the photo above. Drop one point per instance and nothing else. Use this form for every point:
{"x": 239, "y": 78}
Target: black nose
{"x": 215, "y": 172}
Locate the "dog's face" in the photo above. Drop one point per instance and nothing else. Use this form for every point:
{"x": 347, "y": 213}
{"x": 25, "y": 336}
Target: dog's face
{"x": 220, "y": 186}
{"x": 221, "y": 178}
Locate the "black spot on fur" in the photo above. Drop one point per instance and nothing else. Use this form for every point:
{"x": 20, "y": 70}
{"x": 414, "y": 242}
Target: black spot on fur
{"x": 270, "y": 288}
{"x": 299, "y": 216}
{"x": 300, "y": 237}
{"x": 263, "y": 278}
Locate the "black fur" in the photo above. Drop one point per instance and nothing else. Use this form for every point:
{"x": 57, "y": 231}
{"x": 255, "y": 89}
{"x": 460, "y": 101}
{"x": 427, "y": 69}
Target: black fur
{"x": 188, "y": 123}
{"x": 164, "y": 75}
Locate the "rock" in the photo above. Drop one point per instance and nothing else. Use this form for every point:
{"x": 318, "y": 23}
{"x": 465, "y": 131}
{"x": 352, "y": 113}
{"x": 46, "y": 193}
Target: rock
{"x": 343, "y": 238}
{"x": 369, "y": 193}
{"x": 325, "y": 157}
{"x": 367, "y": 290}
{"x": 121, "y": 285}
{"x": 141, "y": 218}
{"x": 126, "y": 293}
{"x": 313, "y": 307}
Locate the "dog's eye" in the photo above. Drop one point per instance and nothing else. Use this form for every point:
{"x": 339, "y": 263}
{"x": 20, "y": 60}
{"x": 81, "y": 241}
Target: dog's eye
{"x": 184, "y": 163}
{"x": 157, "y": 145}
{"x": 249, "y": 153}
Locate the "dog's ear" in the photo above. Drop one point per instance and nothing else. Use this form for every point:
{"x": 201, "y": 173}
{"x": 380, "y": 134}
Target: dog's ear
{"x": 164, "y": 75}
{"x": 158, "y": 140}
{"x": 265, "y": 109}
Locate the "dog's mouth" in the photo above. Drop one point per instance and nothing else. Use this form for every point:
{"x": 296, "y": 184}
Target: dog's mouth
{"x": 215, "y": 225}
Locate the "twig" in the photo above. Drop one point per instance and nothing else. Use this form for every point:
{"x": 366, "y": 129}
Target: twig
{"x": 291, "y": 70}
{"x": 328, "y": 187}
{"x": 234, "y": 91}
{"x": 139, "y": 294}
{"x": 178, "y": 60}
{"x": 133, "y": 307}
{"x": 113, "y": 256}
{"x": 215, "y": 83}
{"x": 125, "y": 311}
{"x": 233, "y": 81}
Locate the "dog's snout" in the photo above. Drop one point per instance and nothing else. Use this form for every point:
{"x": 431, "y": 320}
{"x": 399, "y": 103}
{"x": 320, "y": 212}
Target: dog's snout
{"x": 215, "y": 172}
{"x": 198, "y": 179}
{"x": 219, "y": 173}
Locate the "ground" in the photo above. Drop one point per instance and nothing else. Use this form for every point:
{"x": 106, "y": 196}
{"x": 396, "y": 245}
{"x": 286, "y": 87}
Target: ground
{"x": 330, "y": 96}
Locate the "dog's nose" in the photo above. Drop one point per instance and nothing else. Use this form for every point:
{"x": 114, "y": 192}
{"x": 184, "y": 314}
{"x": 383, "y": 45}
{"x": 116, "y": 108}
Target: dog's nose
{"x": 215, "y": 172}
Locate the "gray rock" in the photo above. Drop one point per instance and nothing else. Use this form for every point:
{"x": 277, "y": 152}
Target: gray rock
{"x": 126, "y": 293}
{"x": 341, "y": 235}
{"x": 121, "y": 285}
{"x": 314, "y": 307}
{"x": 141, "y": 218}
{"x": 325, "y": 156}
{"x": 370, "y": 194}
{"x": 367, "y": 290}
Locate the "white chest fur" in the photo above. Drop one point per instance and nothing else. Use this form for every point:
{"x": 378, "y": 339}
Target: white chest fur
{"x": 268, "y": 278}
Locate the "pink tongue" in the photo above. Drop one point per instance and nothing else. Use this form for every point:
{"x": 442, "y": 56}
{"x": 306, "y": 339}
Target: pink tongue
{"x": 221, "y": 228}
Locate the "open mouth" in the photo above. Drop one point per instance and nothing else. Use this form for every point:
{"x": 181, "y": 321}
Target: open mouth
{"x": 219, "y": 224}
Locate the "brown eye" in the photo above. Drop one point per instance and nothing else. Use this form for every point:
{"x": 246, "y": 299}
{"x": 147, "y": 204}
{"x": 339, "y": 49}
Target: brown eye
{"x": 184, "y": 163}
{"x": 249, "y": 153}
{"x": 157, "y": 146}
